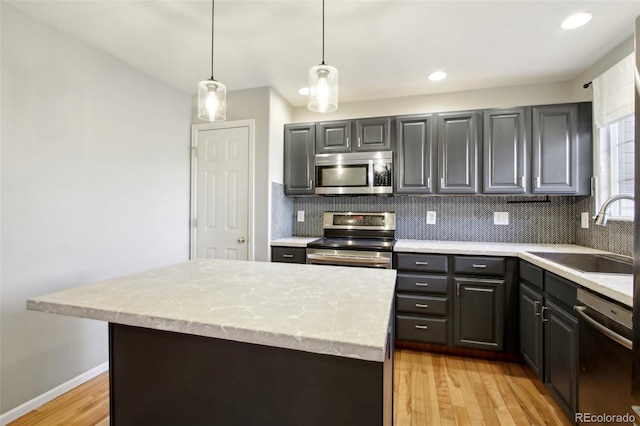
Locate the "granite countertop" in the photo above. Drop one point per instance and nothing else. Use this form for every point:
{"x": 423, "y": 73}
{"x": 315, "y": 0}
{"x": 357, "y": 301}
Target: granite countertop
{"x": 616, "y": 286}
{"x": 321, "y": 309}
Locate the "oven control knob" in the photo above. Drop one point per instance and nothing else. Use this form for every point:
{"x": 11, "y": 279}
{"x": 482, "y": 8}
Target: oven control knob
{"x": 241, "y": 240}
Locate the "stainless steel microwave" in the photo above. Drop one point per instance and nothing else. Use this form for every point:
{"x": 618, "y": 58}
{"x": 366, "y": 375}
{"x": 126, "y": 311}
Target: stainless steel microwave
{"x": 354, "y": 173}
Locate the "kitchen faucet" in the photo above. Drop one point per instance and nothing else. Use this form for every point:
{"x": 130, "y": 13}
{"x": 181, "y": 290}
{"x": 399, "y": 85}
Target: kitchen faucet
{"x": 601, "y": 217}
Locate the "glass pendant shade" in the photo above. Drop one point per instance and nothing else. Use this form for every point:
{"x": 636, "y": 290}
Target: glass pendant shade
{"x": 323, "y": 88}
{"x": 212, "y": 101}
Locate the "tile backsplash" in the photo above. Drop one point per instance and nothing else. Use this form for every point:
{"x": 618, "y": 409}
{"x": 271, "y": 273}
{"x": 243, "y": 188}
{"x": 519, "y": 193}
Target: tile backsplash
{"x": 458, "y": 218}
{"x": 554, "y": 219}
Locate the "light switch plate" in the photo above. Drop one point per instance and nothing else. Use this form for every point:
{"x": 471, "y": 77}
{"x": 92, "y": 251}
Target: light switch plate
{"x": 500, "y": 218}
{"x": 300, "y": 215}
{"x": 584, "y": 220}
{"x": 431, "y": 217}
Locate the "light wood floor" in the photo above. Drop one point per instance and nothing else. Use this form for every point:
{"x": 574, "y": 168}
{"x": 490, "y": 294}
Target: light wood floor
{"x": 429, "y": 389}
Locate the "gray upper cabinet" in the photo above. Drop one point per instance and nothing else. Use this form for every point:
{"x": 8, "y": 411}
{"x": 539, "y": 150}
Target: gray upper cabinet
{"x": 458, "y": 153}
{"x": 333, "y": 137}
{"x": 505, "y": 148}
{"x": 561, "y": 149}
{"x": 299, "y": 164}
{"x": 415, "y": 154}
{"x": 373, "y": 134}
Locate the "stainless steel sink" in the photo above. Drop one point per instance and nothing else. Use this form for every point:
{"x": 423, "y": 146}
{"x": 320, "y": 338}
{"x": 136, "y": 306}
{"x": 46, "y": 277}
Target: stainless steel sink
{"x": 591, "y": 262}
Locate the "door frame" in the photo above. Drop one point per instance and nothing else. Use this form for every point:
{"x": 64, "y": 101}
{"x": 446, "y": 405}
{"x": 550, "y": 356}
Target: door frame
{"x": 195, "y": 128}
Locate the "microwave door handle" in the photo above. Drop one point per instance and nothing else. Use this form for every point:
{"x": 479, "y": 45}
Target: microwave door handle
{"x": 370, "y": 173}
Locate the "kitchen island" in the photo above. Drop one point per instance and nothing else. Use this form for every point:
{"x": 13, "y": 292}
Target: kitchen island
{"x": 244, "y": 343}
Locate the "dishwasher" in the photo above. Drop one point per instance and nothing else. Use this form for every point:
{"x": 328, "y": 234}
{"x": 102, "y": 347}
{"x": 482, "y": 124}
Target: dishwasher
{"x": 605, "y": 360}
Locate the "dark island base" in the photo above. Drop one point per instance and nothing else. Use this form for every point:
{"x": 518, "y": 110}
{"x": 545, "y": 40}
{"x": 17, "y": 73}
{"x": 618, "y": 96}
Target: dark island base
{"x": 166, "y": 378}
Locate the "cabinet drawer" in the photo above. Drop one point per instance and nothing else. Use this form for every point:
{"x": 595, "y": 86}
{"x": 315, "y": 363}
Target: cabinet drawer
{"x": 289, "y": 254}
{"x": 420, "y": 283}
{"x": 531, "y": 274}
{"x": 422, "y": 262}
{"x": 480, "y": 265}
{"x": 417, "y": 329}
{"x": 424, "y": 305}
{"x": 562, "y": 290}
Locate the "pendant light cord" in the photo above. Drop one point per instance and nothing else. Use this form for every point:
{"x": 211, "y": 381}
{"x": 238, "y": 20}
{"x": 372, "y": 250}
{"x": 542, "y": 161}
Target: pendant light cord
{"x": 213, "y": 6}
{"x": 322, "y": 32}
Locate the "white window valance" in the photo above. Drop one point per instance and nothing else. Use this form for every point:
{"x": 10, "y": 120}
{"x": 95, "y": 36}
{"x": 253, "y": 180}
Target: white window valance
{"x": 613, "y": 93}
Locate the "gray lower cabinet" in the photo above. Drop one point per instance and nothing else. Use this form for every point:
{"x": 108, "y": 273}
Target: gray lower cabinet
{"x": 505, "y": 151}
{"x": 561, "y": 154}
{"x": 459, "y": 153}
{"x": 479, "y": 313}
{"x": 465, "y": 301}
{"x": 288, "y": 254}
{"x": 549, "y": 332}
{"x": 415, "y": 162}
{"x": 299, "y": 161}
{"x": 423, "y": 308}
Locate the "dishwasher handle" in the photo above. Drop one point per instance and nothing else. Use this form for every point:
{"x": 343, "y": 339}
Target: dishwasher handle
{"x": 580, "y": 311}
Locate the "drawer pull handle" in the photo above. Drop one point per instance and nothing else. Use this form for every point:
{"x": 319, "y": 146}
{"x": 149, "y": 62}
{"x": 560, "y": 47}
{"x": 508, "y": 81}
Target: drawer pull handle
{"x": 545, "y": 318}
{"x": 422, "y": 327}
{"x": 287, "y": 256}
{"x": 536, "y": 307}
{"x": 479, "y": 266}
{"x": 421, "y": 305}
{"x": 422, "y": 284}
{"x": 422, "y": 263}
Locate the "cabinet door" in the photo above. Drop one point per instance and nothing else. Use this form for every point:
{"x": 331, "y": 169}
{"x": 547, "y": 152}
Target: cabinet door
{"x": 561, "y": 355}
{"x": 531, "y": 328}
{"x": 333, "y": 137}
{"x": 373, "y": 134}
{"x": 415, "y": 154}
{"x": 458, "y": 152}
{"x": 299, "y": 151}
{"x": 505, "y": 146}
{"x": 479, "y": 313}
{"x": 555, "y": 149}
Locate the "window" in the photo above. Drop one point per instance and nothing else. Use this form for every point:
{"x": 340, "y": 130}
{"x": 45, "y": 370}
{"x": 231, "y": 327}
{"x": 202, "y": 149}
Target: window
{"x": 615, "y": 137}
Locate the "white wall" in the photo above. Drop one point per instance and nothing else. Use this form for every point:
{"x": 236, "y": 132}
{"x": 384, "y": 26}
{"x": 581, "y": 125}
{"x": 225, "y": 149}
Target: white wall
{"x": 503, "y": 97}
{"x": 280, "y": 113}
{"x": 94, "y": 184}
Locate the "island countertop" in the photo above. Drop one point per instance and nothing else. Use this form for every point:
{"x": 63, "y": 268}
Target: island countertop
{"x": 320, "y": 309}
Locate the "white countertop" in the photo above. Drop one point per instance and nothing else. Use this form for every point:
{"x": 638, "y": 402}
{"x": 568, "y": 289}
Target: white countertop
{"x": 616, "y": 286}
{"x": 293, "y": 241}
{"x": 312, "y": 308}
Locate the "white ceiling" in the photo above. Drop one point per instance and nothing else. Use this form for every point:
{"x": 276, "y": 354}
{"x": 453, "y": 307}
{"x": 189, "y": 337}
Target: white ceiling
{"x": 381, "y": 48}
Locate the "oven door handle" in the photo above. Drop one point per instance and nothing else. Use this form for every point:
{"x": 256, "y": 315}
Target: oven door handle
{"x": 580, "y": 311}
{"x": 334, "y": 260}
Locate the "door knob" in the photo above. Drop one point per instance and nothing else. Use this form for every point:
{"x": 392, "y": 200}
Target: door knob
{"x": 241, "y": 240}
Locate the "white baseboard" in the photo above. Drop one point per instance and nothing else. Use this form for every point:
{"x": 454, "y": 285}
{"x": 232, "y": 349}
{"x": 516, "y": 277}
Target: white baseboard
{"x": 39, "y": 400}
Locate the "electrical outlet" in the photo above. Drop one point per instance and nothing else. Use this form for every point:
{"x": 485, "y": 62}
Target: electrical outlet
{"x": 300, "y": 215}
{"x": 500, "y": 218}
{"x": 584, "y": 220}
{"x": 431, "y": 217}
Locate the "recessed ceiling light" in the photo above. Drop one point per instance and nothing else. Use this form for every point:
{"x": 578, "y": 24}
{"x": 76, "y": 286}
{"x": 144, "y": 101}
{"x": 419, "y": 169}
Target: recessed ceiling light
{"x": 575, "y": 21}
{"x": 304, "y": 91}
{"x": 437, "y": 76}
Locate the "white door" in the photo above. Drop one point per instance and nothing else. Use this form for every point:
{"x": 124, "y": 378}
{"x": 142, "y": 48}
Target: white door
{"x": 220, "y": 190}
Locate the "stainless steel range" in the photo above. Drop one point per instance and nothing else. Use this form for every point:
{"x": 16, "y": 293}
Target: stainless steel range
{"x": 354, "y": 239}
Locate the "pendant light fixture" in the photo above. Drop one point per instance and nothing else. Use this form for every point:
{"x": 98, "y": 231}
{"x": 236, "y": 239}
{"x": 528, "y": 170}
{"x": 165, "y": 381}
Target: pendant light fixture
{"x": 212, "y": 95}
{"x": 323, "y": 83}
